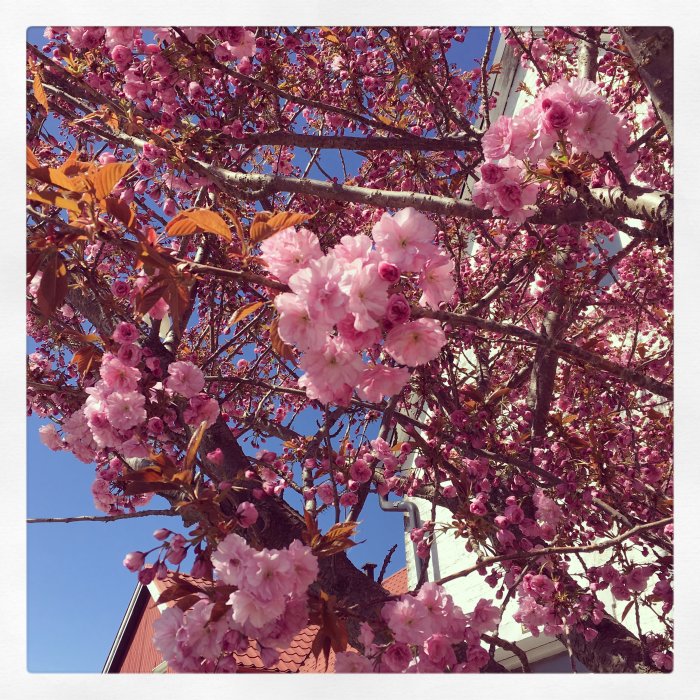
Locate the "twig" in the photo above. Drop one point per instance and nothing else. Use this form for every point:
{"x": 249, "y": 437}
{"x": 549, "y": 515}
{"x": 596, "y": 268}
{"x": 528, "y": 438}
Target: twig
{"x": 385, "y": 563}
{"x": 103, "y": 518}
{"x": 549, "y": 551}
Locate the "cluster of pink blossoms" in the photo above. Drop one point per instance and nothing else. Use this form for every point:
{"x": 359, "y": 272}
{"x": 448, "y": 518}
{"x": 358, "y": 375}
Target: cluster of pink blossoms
{"x": 567, "y": 111}
{"x": 269, "y": 605}
{"x": 341, "y": 303}
{"x": 424, "y": 627}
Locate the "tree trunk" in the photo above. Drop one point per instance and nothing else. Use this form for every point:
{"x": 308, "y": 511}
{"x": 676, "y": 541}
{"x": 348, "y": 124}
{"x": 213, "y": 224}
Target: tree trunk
{"x": 651, "y": 49}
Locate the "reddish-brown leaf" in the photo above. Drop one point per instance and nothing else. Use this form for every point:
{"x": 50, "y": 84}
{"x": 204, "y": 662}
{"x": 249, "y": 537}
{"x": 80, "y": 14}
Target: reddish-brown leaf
{"x": 52, "y": 197}
{"x": 53, "y": 286}
{"x": 180, "y": 589}
{"x": 54, "y": 176}
{"x": 341, "y": 531}
{"x": 628, "y": 607}
{"x": 119, "y": 210}
{"x": 497, "y": 394}
{"x": 86, "y": 358}
{"x": 32, "y": 161}
{"x": 236, "y": 224}
{"x": 39, "y": 92}
{"x": 193, "y": 446}
{"x": 188, "y": 601}
{"x": 244, "y": 311}
{"x": 278, "y": 345}
{"x": 265, "y": 225}
{"x": 196, "y": 220}
{"x": 108, "y": 176}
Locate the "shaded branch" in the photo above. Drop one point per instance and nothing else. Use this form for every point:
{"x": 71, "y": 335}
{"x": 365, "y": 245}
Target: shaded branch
{"x": 104, "y": 518}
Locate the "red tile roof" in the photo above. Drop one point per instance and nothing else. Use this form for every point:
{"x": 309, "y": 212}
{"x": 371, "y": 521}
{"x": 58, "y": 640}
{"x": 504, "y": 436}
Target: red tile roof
{"x": 296, "y": 658}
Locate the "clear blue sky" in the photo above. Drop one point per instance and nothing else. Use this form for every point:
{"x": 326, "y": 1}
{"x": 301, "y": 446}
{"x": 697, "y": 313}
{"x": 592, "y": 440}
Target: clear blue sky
{"x": 77, "y": 588}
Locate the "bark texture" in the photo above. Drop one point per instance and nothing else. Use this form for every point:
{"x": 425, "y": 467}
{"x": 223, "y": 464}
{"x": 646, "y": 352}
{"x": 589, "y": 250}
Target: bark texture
{"x": 651, "y": 49}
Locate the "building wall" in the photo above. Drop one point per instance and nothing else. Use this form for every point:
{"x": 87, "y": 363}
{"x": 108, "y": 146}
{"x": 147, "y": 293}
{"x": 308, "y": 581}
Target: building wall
{"x": 449, "y": 555}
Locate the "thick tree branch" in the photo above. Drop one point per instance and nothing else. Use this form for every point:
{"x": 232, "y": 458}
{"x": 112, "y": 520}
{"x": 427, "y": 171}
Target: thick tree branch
{"x": 605, "y": 204}
{"x": 651, "y": 49}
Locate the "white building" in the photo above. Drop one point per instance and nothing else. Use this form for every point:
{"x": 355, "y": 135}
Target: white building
{"x": 545, "y": 653}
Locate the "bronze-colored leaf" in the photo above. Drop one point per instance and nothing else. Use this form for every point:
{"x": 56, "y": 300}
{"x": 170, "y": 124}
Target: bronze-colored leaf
{"x": 188, "y": 601}
{"x": 32, "y": 161}
{"x": 198, "y": 220}
{"x": 180, "y": 589}
{"x": 628, "y": 607}
{"x": 86, "y": 358}
{"x": 52, "y": 197}
{"x": 193, "y": 446}
{"x": 54, "y": 176}
{"x": 244, "y": 311}
{"x": 67, "y": 167}
{"x": 39, "y": 92}
{"x": 497, "y": 394}
{"x": 119, "y": 210}
{"x": 108, "y": 176}
{"x": 53, "y": 286}
{"x": 278, "y": 345}
{"x": 236, "y": 224}
{"x": 265, "y": 224}
{"x": 341, "y": 531}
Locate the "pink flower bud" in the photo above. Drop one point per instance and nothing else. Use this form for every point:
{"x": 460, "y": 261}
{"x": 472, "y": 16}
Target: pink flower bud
{"x": 162, "y": 534}
{"x": 247, "y": 514}
{"x": 216, "y": 457}
{"x": 169, "y": 207}
{"x": 145, "y": 576}
{"x": 398, "y": 309}
{"x": 134, "y": 561}
{"x": 388, "y": 272}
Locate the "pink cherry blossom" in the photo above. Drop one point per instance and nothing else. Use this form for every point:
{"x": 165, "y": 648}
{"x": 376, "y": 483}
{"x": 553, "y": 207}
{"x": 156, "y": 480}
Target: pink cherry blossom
{"x": 134, "y": 561}
{"x": 594, "y": 131}
{"x": 201, "y": 408}
{"x": 232, "y": 559}
{"x": 126, "y": 410}
{"x": 289, "y": 251}
{"x": 381, "y": 380}
{"x": 185, "y": 379}
{"x": 352, "y": 338}
{"x": 496, "y": 141}
{"x": 407, "y": 618}
{"x": 438, "y": 649}
{"x": 247, "y": 514}
{"x": 118, "y": 376}
{"x": 485, "y": 617}
{"x": 352, "y": 662}
{"x": 251, "y": 610}
{"x": 330, "y": 373}
{"x": 50, "y": 437}
{"x": 366, "y": 292}
{"x": 129, "y": 354}
{"x": 416, "y": 342}
{"x": 296, "y": 326}
{"x": 398, "y": 309}
{"x": 352, "y": 248}
{"x": 317, "y": 286}
{"x": 437, "y": 281}
{"x": 402, "y": 239}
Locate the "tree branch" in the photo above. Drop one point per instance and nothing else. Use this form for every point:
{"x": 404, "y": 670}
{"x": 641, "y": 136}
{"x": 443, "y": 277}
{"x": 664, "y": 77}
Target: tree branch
{"x": 104, "y": 518}
{"x": 566, "y": 349}
{"x": 606, "y": 204}
{"x": 651, "y": 49}
{"x": 549, "y": 551}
